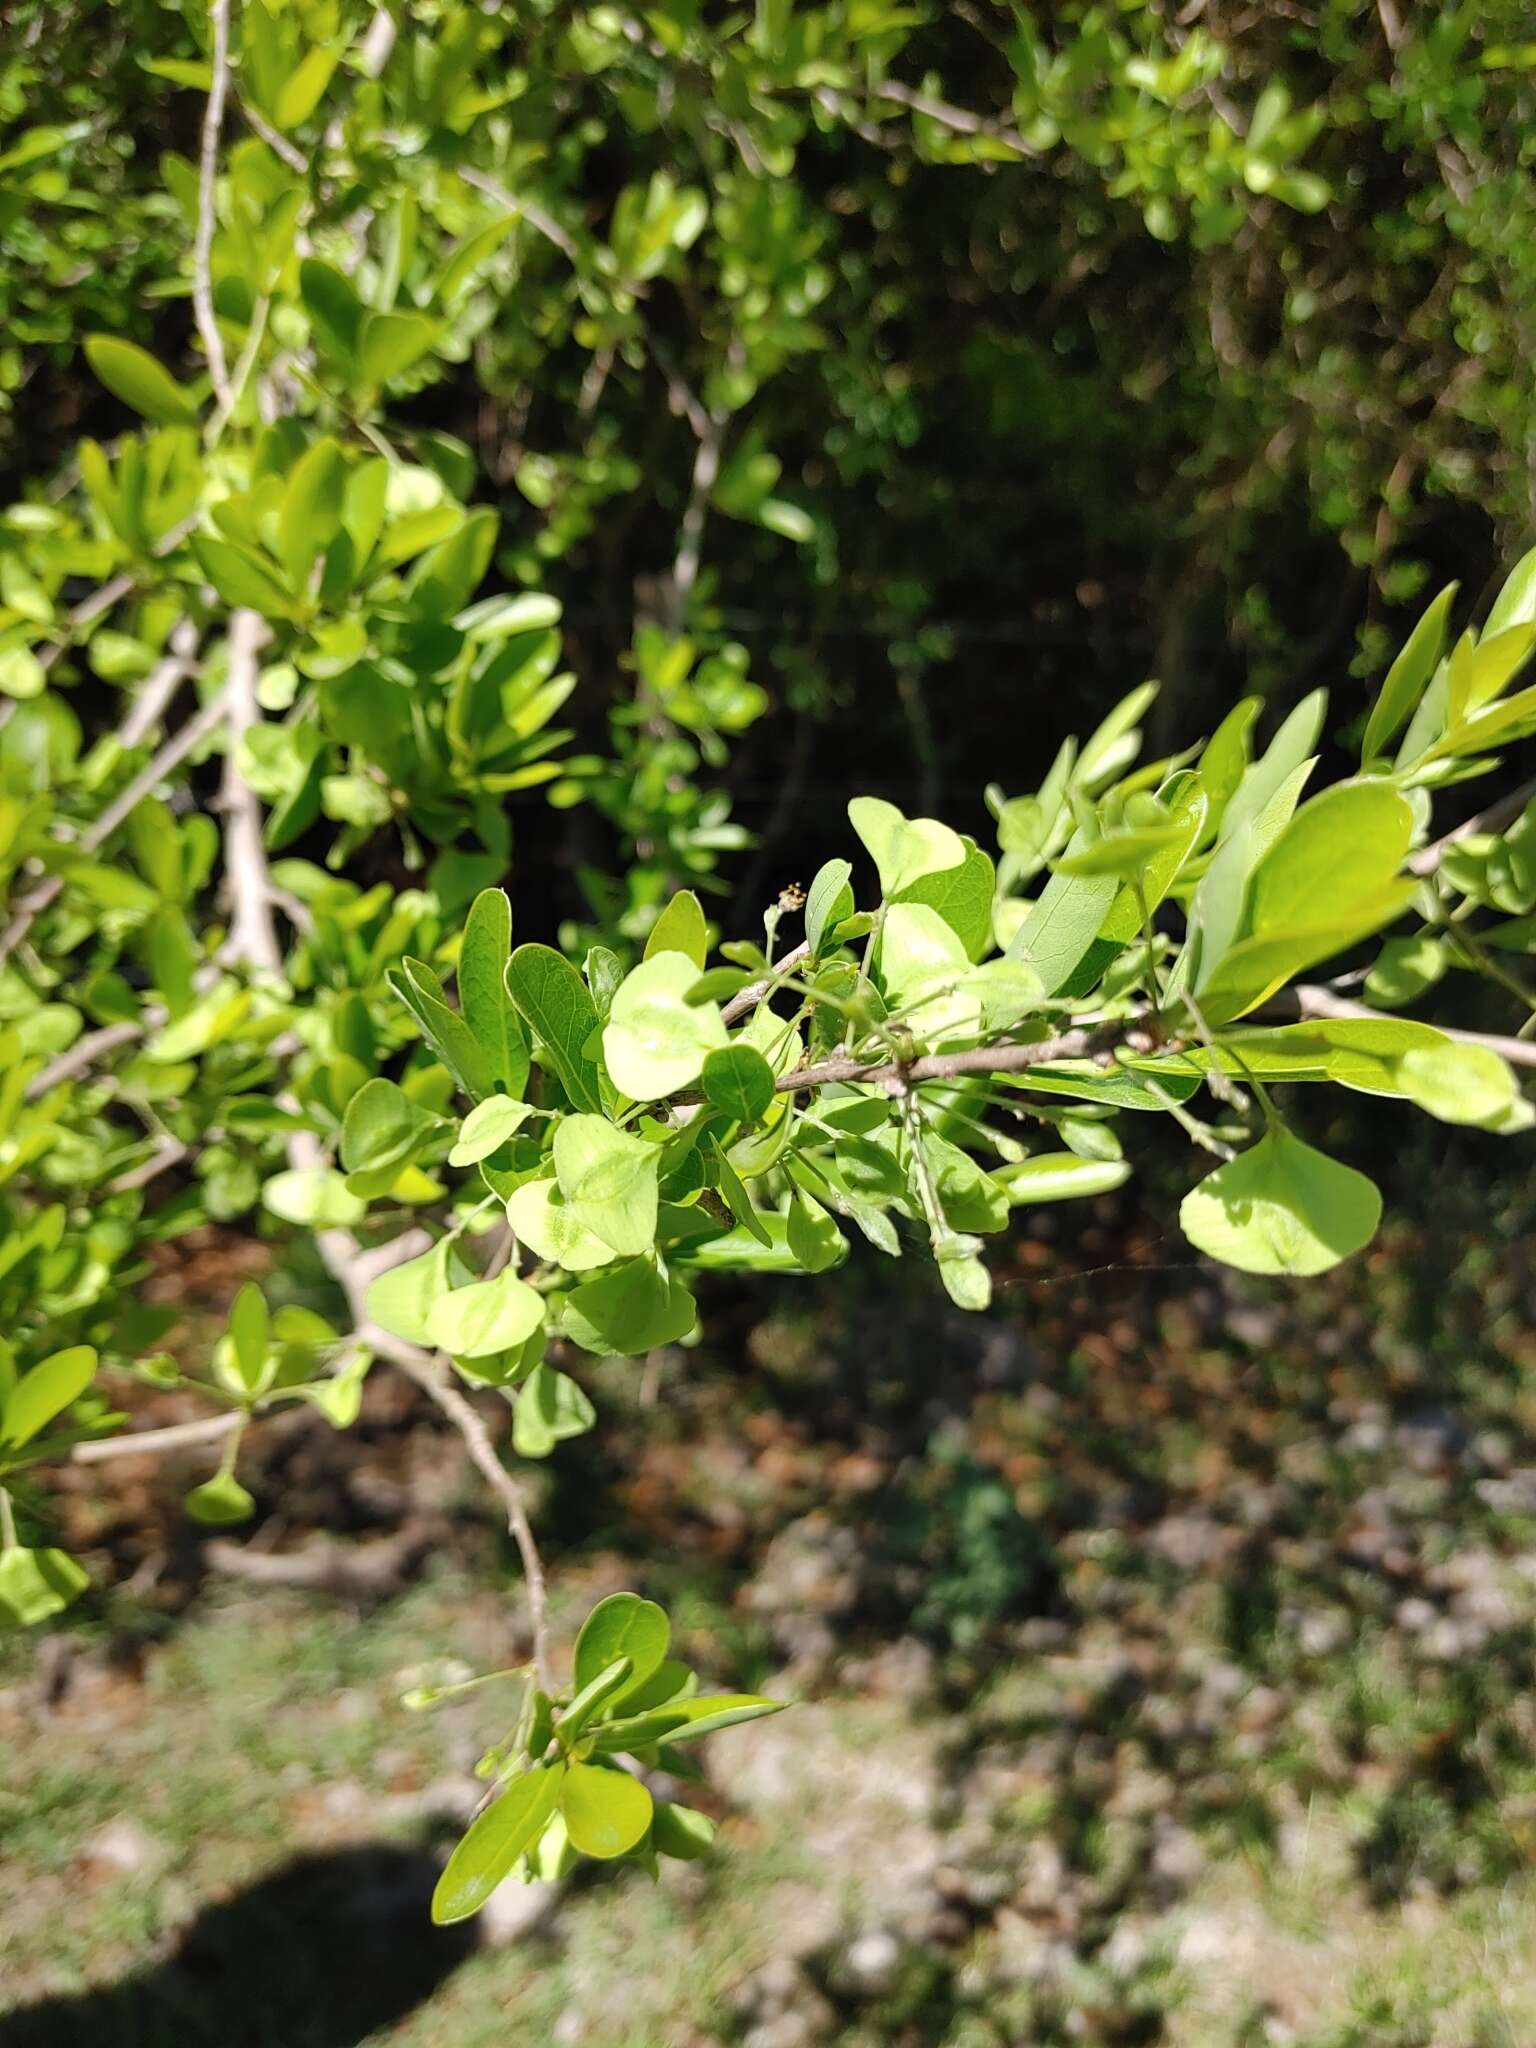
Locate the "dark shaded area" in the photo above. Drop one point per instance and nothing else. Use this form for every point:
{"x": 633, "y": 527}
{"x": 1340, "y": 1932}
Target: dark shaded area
{"x": 323, "y": 1953}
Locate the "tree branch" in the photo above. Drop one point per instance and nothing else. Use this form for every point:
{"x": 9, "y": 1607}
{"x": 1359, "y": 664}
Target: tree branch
{"x": 433, "y": 1374}
{"x": 1311, "y": 1001}
{"x": 160, "y": 686}
{"x": 898, "y": 1075}
{"x": 207, "y": 197}
{"x": 279, "y": 144}
{"x": 960, "y": 119}
{"x": 207, "y": 1429}
{"x": 84, "y": 1053}
{"x": 748, "y": 998}
{"x": 527, "y": 209}
{"x": 252, "y": 930}
{"x": 690, "y": 540}
{"x": 378, "y": 44}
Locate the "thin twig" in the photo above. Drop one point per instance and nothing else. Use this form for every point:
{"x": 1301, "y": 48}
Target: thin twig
{"x": 279, "y": 145}
{"x": 1311, "y": 1001}
{"x": 87, "y": 612}
{"x": 690, "y": 541}
{"x": 252, "y": 933}
{"x": 528, "y": 209}
{"x": 207, "y": 196}
{"x": 378, "y": 44}
{"x": 748, "y": 998}
{"x": 207, "y": 1429}
{"x": 898, "y": 1075}
{"x": 84, "y": 1053}
{"x": 960, "y": 119}
{"x": 175, "y": 750}
{"x": 433, "y": 1376}
{"x": 168, "y": 1153}
{"x": 160, "y": 686}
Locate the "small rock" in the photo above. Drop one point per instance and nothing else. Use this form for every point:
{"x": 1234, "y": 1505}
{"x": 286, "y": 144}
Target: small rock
{"x": 514, "y": 1911}
{"x": 869, "y": 1966}
{"x": 125, "y": 1849}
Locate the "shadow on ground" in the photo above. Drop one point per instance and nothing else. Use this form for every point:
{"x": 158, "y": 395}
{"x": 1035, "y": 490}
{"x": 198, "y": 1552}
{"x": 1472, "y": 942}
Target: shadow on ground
{"x": 322, "y": 1953}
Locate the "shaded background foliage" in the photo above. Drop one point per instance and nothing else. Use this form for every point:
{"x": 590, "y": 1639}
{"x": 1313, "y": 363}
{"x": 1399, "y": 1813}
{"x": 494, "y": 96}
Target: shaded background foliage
{"x": 1048, "y": 414}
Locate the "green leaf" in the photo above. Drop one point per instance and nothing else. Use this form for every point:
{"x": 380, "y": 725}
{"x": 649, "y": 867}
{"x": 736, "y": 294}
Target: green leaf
{"x": 488, "y": 1009}
{"x": 384, "y": 1130}
{"x": 606, "y": 1811}
{"x": 37, "y": 1584}
{"x": 681, "y": 1831}
{"x": 401, "y": 1300}
{"x": 390, "y": 342}
{"x": 1515, "y": 604}
{"x": 133, "y": 375}
{"x": 42, "y": 1394}
{"x": 681, "y": 929}
{"x": 1121, "y": 852}
{"x": 249, "y": 1332}
{"x": 22, "y": 675}
{"x": 1060, "y": 1177}
{"x": 655, "y": 1041}
{"x": 1460, "y": 1084}
{"x": 315, "y": 1198}
{"x": 738, "y": 1080}
{"x": 1286, "y": 756}
{"x": 335, "y": 310}
{"x": 1404, "y": 969}
{"x": 551, "y": 1408}
{"x": 448, "y": 575}
{"x": 597, "y": 1693}
{"x": 608, "y": 1180}
{"x": 555, "y": 1003}
{"x": 903, "y": 849}
{"x": 443, "y": 1027}
{"x": 312, "y": 509}
{"x": 623, "y": 1625}
{"x": 471, "y": 253}
{"x": 1408, "y": 676}
{"x": 684, "y": 1720}
{"x": 304, "y": 87}
{"x": 961, "y": 895}
{"x": 241, "y": 577}
{"x": 507, "y": 1830}
{"x": 828, "y": 901}
{"x": 1281, "y": 1207}
{"x": 1063, "y": 923}
{"x": 925, "y": 972}
{"x": 632, "y": 1308}
{"x": 220, "y": 1501}
{"x": 485, "y": 1317}
{"x": 1225, "y": 759}
{"x": 813, "y": 1237}
{"x": 737, "y": 1200}
{"x": 551, "y": 1229}
{"x": 1114, "y": 744}
{"x": 966, "y": 1280}
{"x": 489, "y": 1125}
{"x": 1327, "y": 881}
{"x": 339, "y": 1397}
